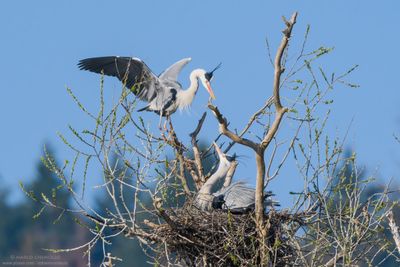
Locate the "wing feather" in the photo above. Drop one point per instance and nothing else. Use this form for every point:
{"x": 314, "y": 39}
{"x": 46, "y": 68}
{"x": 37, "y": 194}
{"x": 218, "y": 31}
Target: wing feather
{"x": 238, "y": 195}
{"x": 132, "y": 72}
{"x": 173, "y": 71}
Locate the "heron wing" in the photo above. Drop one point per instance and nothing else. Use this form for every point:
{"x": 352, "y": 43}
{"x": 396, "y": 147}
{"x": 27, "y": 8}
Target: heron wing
{"x": 165, "y": 99}
{"x": 238, "y": 195}
{"x": 132, "y": 72}
{"x": 240, "y": 198}
{"x": 173, "y": 71}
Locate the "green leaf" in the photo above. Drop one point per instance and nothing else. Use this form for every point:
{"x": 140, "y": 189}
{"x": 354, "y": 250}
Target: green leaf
{"x": 37, "y": 215}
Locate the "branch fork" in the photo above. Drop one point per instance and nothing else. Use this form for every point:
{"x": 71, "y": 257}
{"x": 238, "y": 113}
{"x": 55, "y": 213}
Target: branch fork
{"x": 259, "y": 148}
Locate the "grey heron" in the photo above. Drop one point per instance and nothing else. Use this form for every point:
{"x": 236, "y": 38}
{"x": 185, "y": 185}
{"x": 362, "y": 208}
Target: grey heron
{"x": 163, "y": 93}
{"x": 204, "y": 197}
{"x": 237, "y": 197}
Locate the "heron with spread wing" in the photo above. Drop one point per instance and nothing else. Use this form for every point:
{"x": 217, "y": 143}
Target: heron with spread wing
{"x": 163, "y": 93}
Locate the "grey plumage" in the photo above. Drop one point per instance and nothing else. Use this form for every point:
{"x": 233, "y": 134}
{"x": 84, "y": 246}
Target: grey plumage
{"x": 204, "y": 197}
{"x": 132, "y": 72}
{"x": 239, "y": 198}
{"x": 164, "y": 93}
{"x": 172, "y": 72}
{"x": 236, "y": 197}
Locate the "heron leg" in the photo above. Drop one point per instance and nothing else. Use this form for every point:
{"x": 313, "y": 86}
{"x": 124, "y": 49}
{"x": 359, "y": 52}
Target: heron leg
{"x": 159, "y": 122}
{"x": 167, "y": 119}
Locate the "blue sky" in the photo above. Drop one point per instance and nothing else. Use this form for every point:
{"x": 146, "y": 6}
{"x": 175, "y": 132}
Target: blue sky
{"x": 42, "y": 41}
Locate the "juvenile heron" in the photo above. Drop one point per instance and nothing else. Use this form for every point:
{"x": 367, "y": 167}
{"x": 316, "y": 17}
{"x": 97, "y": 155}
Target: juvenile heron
{"x": 163, "y": 93}
{"x": 237, "y": 197}
{"x": 204, "y": 197}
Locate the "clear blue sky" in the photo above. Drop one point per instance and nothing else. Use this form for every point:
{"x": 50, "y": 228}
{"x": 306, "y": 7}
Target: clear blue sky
{"x": 41, "y": 42}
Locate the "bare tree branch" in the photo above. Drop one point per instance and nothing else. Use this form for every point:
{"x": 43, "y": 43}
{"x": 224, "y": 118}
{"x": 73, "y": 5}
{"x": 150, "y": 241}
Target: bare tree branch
{"x": 252, "y": 119}
{"x": 223, "y": 128}
{"x": 280, "y": 111}
{"x": 196, "y": 151}
{"x": 179, "y": 148}
{"x": 229, "y": 175}
{"x": 394, "y": 229}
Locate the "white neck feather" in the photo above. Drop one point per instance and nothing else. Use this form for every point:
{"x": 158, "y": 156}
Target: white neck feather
{"x": 220, "y": 173}
{"x": 185, "y": 97}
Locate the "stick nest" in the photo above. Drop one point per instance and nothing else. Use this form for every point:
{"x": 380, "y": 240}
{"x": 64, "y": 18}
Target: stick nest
{"x": 217, "y": 238}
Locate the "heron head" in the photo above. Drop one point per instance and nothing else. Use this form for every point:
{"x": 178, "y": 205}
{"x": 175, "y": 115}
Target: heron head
{"x": 209, "y": 75}
{"x": 206, "y": 80}
{"x": 222, "y": 156}
{"x": 218, "y": 202}
{"x": 231, "y": 158}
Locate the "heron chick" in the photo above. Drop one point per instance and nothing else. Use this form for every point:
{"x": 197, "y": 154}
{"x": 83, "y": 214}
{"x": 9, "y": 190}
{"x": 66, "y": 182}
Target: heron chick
{"x": 237, "y": 197}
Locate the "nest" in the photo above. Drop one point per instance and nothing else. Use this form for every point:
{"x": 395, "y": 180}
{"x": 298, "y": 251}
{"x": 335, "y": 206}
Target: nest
{"x": 198, "y": 238}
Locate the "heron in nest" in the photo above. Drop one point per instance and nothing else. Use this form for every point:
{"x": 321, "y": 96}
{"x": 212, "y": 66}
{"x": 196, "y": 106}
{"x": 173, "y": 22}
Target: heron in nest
{"x": 235, "y": 197}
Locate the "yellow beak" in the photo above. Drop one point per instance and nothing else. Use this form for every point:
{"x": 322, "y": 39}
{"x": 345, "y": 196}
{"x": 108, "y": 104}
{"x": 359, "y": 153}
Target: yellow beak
{"x": 209, "y": 89}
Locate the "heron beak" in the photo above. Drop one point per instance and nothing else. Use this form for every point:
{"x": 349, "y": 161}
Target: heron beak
{"x": 209, "y": 89}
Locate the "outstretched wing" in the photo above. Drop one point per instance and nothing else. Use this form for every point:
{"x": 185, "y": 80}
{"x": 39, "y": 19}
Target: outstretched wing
{"x": 132, "y": 72}
{"x": 173, "y": 71}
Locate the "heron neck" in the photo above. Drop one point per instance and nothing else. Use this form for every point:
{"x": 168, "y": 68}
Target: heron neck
{"x": 187, "y": 96}
{"x": 221, "y": 172}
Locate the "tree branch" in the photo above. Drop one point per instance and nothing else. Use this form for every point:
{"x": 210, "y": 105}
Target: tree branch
{"x": 223, "y": 128}
{"x": 229, "y": 175}
{"x": 157, "y": 203}
{"x": 260, "y": 148}
{"x": 280, "y": 111}
{"x": 179, "y": 147}
{"x": 278, "y": 58}
{"x": 267, "y": 104}
{"x": 196, "y": 151}
{"x": 274, "y": 128}
{"x": 394, "y": 229}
